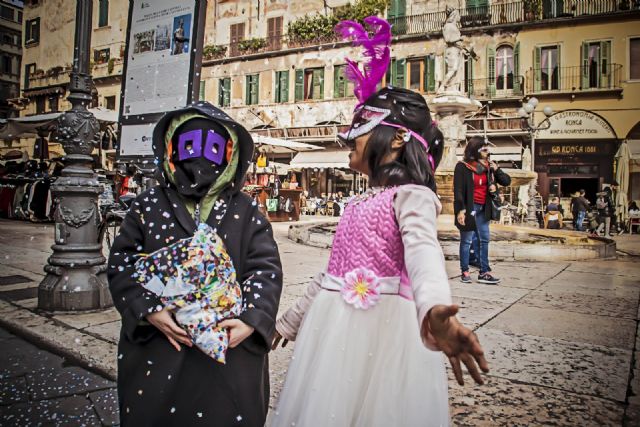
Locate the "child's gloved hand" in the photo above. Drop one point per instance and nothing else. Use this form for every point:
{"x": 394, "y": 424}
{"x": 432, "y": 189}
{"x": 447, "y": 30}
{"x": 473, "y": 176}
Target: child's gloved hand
{"x": 163, "y": 320}
{"x": 238, "y": 331}
{"x": 276, "y": 340}
{"x": 457, "y": 342}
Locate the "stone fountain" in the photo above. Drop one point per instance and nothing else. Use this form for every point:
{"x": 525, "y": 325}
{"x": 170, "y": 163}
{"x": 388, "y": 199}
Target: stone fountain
{"x": 451, "y": 104}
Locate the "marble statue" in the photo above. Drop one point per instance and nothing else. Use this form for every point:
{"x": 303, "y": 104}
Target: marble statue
{"x": 454, "y": 54}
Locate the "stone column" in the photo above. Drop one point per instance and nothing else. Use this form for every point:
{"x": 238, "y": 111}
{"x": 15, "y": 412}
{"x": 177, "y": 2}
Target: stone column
{"x": 76, "y": 271}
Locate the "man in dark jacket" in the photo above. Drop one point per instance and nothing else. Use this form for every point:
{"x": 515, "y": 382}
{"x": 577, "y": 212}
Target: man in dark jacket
{"x": 203, "y": 156}
{"x": 474, "y": 179}
{"x": 579, "y": 208}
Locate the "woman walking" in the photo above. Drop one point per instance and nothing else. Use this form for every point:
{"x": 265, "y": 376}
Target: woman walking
{"x": 474, "y": 178}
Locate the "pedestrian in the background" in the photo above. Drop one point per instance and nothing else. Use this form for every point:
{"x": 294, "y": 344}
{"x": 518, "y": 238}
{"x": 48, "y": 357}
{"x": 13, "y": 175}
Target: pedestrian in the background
{"x": 472, "y": 204}
{"x": 605, "y": 209}
{"x": 579, "y": 208}
{"x": 554, "y": 215}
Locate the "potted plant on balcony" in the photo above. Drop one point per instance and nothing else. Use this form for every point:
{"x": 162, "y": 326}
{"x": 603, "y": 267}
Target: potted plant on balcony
{"x": 252, "y": 45}
{"x": 532, "y": 10}
{"x": 214, "y": 51}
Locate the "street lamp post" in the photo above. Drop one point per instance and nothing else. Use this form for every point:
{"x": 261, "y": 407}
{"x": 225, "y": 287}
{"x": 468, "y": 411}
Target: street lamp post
{"x": 527, "y": 113}
{"x": 76, "y": 278}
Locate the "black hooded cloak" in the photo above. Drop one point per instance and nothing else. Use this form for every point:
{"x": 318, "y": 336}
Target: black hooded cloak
{"x": 157, "y": 385}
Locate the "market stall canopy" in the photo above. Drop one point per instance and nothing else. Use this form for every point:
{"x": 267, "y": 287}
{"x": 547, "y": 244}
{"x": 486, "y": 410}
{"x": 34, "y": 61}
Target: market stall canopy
{"x": 279, "y": 146}
{"x": 323, "y": 159}
{"x": 279, "y": 168}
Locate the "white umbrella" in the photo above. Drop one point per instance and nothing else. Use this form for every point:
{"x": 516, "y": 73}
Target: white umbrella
{"x": 623, "y": 157}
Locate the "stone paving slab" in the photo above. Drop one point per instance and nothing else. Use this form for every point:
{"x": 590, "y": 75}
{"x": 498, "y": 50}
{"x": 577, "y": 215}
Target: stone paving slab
{"x": 564, "y": 325}
{"x": 13, "y": 390}
{"x": 573, "y": 367}
{"x": 632, "y": 416}
{"x": 71, "y": 411}
{"x": 581, "y": 303}
{"x": 105, "y": 402}
{"x": 501, "y": 402}
{"x": 18, "y": 358}
{"x": 491, "y": 293}
{"x": 100, "y": 354}
{"x": 55, "y": 382}
{"x": 108, "y": 331}
{"x": 591, "y": 283}
{"x": 476, "y": 312}
{"x": 84, "y": 320}
{"x": 626, "y": 268}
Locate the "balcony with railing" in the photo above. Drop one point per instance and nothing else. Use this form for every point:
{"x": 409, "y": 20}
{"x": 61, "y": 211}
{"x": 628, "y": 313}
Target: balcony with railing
{"x": 506, "y": 126}
{"x": 517, "y": 12}
{"x": 501, "y": 87}
{"x": 580, "y": 79}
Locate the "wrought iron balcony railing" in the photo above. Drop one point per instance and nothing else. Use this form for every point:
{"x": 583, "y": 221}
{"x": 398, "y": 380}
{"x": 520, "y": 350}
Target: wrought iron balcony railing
{"x": 574, "y": 79}
{"x": 515, "y": 12}
{"x": 501, "y": 87}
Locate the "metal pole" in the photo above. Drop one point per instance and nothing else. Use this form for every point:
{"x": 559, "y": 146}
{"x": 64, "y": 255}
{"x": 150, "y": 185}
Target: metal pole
{"x": 531, "y": 205}
{"x": 76, "y": 278}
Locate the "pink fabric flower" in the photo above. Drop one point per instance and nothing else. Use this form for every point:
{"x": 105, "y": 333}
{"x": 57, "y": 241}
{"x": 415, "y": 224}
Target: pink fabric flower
{"x": 361, "y": 288}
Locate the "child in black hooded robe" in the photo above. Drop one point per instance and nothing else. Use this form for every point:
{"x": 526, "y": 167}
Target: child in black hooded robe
{"x": 203, "y": 156}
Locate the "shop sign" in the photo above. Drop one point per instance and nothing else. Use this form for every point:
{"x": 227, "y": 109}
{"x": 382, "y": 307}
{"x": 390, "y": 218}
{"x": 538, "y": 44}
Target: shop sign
{"x": 572, "y": 149}
{"x": 576, "y": 124}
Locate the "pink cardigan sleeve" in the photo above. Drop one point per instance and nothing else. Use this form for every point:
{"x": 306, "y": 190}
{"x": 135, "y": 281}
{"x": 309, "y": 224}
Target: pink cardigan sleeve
{"x": 289, "y": 323}
{"x": 417, "y": 209}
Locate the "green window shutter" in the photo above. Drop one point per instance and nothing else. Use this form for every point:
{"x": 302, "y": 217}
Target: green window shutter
{"x": 284, "y": 86}
{"x": 299, "y": 92}
{"x": 469, "y": 83}
{"x": 317, "y": 84}
{"x": 516, "y": 69}
{"x": 338, "y": 73}
{"x": 256, "y": 91}
{"x": 103, "y": 13}
{"x": 491, "y": 70}
{"x": 388, "y": 75}
{"x": 398, "y": 79}
{"x": 227, "y": 92}
{"x": 559, "y": 72}
{"x": 397, "y": 8}
{"x": 221, "y": 92}
{"x": 201, "y": 95}
{"x": 605, "y": 64}
{"x": 247, "y": 94}
{"x": 277, "y": 91}
{"x": 430, "y": 73}
{"x": 537, "y": 72}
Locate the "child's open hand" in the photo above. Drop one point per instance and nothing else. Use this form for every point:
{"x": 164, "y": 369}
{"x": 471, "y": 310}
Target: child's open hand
{"x": 165, "y": 323}
{"x": 238, "y": 331}
{"x": 457, "y": 342}
{"x": 276, "y": 340}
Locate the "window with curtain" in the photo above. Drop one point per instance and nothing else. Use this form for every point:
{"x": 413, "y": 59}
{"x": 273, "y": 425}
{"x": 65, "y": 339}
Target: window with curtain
{"x": 314, "y": 83}
{"x": 634, "y": 58}
{"x": 504, "y": 68}
{"x": 596, "y": 66}
{"x": 549, "y": 68}
{"x": 103, "y": 13}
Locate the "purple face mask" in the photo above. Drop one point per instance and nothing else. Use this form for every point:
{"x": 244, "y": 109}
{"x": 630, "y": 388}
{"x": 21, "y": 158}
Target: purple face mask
{"x": 190, "y": 146}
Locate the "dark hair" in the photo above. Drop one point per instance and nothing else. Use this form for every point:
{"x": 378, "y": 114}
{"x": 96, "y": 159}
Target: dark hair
{"x": 582, "y": 192}
{"x": 411, "y": 166}
{"x": 471, "y": 151}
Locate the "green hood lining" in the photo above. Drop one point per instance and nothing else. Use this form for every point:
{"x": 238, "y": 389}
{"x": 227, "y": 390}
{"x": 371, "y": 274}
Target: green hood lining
{"x": 227, "y": 177}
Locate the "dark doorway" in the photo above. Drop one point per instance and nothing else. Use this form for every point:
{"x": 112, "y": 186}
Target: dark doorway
{"x": 568, "y": 186}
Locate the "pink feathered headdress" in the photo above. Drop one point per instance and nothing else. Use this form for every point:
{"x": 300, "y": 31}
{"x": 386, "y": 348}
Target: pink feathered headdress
{"x": 376, "y": 51}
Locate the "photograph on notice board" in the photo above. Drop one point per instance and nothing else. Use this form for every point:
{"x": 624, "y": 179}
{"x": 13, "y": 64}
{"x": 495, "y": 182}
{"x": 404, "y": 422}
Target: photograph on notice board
{"x": 143, "y": 41}
{"x": 181, "y": 31}
{"x": 163, "y": 37}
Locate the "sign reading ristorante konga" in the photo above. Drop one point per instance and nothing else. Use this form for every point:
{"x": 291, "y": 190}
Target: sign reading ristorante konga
{"x": 576, "y": 124}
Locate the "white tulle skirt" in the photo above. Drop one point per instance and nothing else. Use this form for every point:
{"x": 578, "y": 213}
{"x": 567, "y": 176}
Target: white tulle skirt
{"x": 355, "y": 368}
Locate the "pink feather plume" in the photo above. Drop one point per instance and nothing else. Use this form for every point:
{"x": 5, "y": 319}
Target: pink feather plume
{"x": 376, "y": 52}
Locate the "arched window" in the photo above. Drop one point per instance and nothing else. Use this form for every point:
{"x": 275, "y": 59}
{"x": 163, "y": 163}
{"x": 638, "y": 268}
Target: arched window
{"x": 504, "y": 68}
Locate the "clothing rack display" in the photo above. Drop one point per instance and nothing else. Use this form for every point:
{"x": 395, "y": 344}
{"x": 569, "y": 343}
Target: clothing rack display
{"x": 26, "y": 198}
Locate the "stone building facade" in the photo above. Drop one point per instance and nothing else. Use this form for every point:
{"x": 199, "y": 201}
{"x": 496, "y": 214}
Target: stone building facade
{"x": 10, "y": 54}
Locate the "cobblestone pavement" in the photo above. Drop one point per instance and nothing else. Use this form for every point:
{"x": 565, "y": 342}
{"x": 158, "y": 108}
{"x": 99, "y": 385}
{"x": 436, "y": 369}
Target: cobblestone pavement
{"x": 561, "y": 337}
